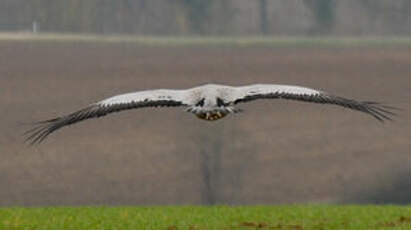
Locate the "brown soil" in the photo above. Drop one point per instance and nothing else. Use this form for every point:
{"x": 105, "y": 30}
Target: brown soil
{"x": 274, "y": 152}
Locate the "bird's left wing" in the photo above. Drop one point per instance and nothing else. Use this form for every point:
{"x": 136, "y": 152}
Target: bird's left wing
{"x": 264, "y": 91}
{"x": 149, "y": 98}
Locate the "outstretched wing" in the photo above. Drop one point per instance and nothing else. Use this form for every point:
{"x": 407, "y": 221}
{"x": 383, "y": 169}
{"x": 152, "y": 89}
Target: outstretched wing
{"x": 262, "y": 91}
{"x": 150, "y": 98}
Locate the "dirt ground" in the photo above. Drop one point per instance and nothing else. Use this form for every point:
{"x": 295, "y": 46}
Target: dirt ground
{"x": 275, "y": 152}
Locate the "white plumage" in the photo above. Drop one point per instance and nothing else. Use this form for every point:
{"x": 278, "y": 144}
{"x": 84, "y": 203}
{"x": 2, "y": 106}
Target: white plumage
{"x": 209, "y": 102}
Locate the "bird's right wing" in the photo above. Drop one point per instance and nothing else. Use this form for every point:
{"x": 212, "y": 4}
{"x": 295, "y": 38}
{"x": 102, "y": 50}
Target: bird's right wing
{"x": 290, "y": 92}
{"x": 149, "y": 98}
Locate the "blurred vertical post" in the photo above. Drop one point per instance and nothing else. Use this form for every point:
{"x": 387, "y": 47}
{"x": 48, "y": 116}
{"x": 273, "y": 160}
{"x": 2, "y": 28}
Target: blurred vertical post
{"x": 210, "y": 164}
{"x": 324, "y": 13}
{"x": 263, "y": 17}
{"x": 198, "y": 15}
{"x": 35, "y": 27}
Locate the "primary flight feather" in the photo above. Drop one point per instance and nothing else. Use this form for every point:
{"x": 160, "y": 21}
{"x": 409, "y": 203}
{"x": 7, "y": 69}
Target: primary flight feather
{"x": 209, "y": 102}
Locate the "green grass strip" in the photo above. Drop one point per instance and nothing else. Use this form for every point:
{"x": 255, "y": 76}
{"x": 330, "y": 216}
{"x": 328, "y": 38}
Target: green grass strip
{"x": 208, "y": 217}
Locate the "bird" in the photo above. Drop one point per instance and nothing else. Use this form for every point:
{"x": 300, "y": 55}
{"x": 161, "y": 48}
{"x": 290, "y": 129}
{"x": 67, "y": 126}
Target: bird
{"x": 209, "y": 102}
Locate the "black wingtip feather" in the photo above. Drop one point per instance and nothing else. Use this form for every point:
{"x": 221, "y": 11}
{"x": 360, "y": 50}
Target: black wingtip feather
{"x": 37, "y": 134}
{"x": 379, "y": 111}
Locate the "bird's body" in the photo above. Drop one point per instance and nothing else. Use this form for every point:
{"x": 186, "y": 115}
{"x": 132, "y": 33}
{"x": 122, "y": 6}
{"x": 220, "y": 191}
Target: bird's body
{"x": 208, "y": 102}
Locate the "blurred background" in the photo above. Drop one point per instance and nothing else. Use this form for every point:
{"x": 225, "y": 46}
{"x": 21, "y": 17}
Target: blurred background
{"x": 214, "y": 17}
{"x": 57, "y": 56}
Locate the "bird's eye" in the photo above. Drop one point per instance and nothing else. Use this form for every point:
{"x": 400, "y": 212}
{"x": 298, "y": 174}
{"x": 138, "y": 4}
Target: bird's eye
{"x": 200, "y": 102}
{"x": 220, "y": 102}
